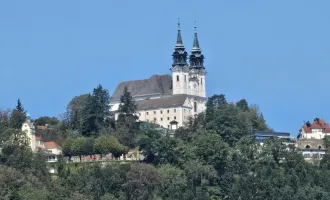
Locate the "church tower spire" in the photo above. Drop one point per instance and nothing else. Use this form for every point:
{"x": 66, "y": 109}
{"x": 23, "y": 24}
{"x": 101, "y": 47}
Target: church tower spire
{"x": 179, "y": 55}
{"x": 179, "y": 42}
{"x": 196, "y": 58}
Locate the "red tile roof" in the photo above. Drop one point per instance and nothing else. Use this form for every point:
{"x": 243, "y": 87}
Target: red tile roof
{"x": 50, "y": 145}
{"x": 317, "y": 124}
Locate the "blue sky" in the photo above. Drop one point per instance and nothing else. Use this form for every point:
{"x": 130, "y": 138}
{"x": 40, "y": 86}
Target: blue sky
{"x": 273, "y": 53}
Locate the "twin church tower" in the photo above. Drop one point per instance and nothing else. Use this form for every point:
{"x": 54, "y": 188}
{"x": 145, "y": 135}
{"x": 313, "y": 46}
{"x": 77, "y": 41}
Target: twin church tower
{"x": 169, "y": 100}
{"x": 188, "y": 78}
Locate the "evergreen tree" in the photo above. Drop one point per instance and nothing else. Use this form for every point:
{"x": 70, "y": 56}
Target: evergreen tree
{"x": 101, "y": 100}
{"x": 89, "y": 123}
{"x": 126, "y": 119}
{"x": 88, "y": 113}
{"x": 18, "y": 116}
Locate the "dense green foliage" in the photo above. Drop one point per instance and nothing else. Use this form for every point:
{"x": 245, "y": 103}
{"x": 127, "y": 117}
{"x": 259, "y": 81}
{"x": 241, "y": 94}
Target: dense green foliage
{"x": 211, "y": 158}
{"x": 45, "y": 120}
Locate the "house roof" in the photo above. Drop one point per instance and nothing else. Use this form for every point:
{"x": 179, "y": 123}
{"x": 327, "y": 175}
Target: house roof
{"x": 317, "y": 124}
{"x": 155, "y": 85}
{"x": 269, "y": 134}
{"x": 50, "y": 145}
{"x": 165, "y": 102}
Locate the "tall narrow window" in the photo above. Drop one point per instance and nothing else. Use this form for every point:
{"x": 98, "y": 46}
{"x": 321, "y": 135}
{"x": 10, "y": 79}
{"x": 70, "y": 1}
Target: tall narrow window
{"x": 177, "y": 77}
{"x": 202, "y": 81}
{"x": 195, "y": 106}
{"x": 185, "y": 78}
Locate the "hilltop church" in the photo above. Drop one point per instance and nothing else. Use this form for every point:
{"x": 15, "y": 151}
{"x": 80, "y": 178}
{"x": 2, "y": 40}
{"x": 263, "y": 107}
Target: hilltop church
{"x": 168, "y": 100}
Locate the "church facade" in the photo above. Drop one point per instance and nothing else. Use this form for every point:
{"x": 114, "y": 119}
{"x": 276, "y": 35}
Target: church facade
{"x": 169, "y": 100}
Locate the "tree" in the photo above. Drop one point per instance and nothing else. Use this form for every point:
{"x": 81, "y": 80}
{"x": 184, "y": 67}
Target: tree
{"x": 142, "y": 181}
{"x": 101, "y": 99}
{"x": 67, "y": 149}
{"x": 257, "y": 119}
{"x": 199, "y": 174}
{"x": 243, "y": 105}
{"x": 173, "y": 182}
{"x": 16, "y": 152}
{"x": 213, "y": 104}
{"x": 210, "y": 149}
{"x": 87, "y": 113}
{"x": 126, "y": 119}
{"x": 4, "y": 120}
{"x": 165, "y": 150}
{"x": 77, "y": 147}
{"x": 42, "y": 121}
{"x": 39, "y": 166}
{"x": 7, "y": 134}
{"x": 89, "y": 123}
{"x": 108, "y": 144}
{"x": 74, "y": 111}
{"x": 18, "y": 116}
{"x": 227, "y": 123}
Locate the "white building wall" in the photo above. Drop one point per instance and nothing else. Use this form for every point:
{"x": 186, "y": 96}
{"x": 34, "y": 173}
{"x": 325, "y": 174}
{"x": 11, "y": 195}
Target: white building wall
{"x": 200, "y": 89}
{"x": 180, "y": 86}
{"x": 202, "y": 85}
{"x": 315, "y": 134}
{"x": 163, "y": 116}
{"x": 30, "y": 133}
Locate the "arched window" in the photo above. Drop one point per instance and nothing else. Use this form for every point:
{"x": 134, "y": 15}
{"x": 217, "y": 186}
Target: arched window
{"x": 177, "y": 77}
{"x": 202, "y": 81}
{"x": 195, "y": 106}
{"x": 308, "y": 147}
{"x": 320, "y": 147}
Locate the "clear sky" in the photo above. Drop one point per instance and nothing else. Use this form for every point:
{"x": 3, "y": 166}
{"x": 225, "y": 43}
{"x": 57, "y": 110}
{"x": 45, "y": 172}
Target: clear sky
{"x": 273, "y": 53}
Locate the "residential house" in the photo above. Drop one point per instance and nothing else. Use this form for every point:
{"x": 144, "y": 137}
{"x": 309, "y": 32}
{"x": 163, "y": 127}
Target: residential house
{"x": 29, "y": 128}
